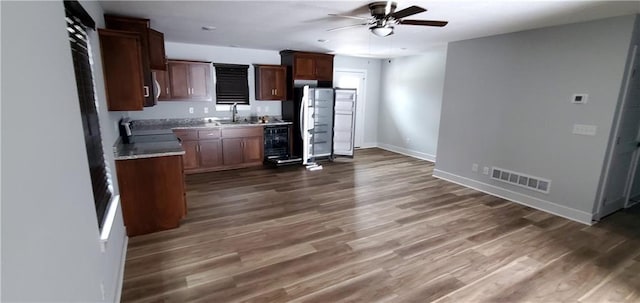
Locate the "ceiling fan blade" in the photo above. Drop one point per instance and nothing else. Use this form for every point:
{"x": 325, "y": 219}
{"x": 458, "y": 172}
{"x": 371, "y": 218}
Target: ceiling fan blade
{"x": 346, "y": 27}
{"x": 350, "y": 17}
{"x": 424, "y": 22}
{"x": 411, "y": 10}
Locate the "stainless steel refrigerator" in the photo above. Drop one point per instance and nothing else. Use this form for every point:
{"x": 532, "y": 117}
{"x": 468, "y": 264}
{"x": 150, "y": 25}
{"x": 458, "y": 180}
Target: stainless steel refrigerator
{"x": 323, "y": 122}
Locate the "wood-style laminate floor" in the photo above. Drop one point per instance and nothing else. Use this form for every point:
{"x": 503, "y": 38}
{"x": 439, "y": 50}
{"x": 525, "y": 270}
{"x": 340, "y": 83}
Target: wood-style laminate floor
{"x": 379, "y": 228}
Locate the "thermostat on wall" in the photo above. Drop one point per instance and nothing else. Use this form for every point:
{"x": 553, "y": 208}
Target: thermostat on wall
{"x": 579, "y": 98}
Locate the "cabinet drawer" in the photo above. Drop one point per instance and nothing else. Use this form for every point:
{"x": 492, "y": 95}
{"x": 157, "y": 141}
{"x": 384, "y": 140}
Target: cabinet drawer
{"x": 186, "y": 135}
{"x": 213, "y": 133}
{"x": 238, "y": 132}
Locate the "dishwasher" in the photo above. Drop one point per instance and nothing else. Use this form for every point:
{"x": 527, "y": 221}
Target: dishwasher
{"x": 277, "y": 148}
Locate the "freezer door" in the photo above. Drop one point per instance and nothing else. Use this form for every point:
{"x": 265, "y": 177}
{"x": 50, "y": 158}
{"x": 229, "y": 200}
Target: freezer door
{"x": 344, "y": 122}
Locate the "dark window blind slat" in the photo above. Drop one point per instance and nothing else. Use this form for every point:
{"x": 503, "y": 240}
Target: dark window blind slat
{"x": 80, "y": 51}
{"x": 232, "y": 85}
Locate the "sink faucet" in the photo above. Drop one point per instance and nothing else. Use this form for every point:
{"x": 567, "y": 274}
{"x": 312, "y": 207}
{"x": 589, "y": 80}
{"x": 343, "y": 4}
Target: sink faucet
{"x": 234, "y": 112}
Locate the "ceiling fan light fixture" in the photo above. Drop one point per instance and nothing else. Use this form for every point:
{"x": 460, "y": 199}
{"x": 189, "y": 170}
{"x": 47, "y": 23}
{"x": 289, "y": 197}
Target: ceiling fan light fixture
{"x": 382, "y": 31}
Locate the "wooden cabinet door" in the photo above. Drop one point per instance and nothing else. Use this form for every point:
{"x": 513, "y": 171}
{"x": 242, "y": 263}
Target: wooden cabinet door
{"x": 304, "y": 67}
{"x": 200, "y": 81}
{"x": 179, "y": 80}
{"x": 162, "y": 84}
{"x": 266, "y": 83}
{"x": 122, "y": 67}
{"x": 253, "y": 149}
{"x": 280, "y": 75}
{"x": 210, "y": 153}
{"x": 232, "y": 151}
{"x": 157, "y": 58}
{"x": 324, "y": 68}
{"x": 190, "y": 157}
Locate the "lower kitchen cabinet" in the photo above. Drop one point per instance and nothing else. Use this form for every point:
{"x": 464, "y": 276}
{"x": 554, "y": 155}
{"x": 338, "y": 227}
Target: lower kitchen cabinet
{"x": 216, "y": 149}
{"x": 232, "y": 151}
{"x": 152, "y": 193}
{"x": 190, "y": 157}
{"x": 210, "y": 153}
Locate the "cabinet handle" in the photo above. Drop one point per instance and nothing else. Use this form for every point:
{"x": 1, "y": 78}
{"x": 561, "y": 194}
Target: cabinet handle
{"x": 276, "y": 91}
{"x": 146, "y": 91}
{"x": 168, "y": 91}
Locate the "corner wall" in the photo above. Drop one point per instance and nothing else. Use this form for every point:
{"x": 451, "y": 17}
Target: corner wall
{"x": 411, "y": 98}
{"x": 51, "y": 249}
{"x": 507, "y": 104}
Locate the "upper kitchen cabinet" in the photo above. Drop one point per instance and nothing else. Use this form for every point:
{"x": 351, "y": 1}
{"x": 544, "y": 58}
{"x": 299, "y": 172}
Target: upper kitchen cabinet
{"x": 152, "y": 45}
{"x": 190, "y": 80}
{"x": 271, "y": 82}
{"x": 157, "y": 57}
{"x": 308, "y": 66}
{"x": 152, "y": 40}
{"x": 122, "y": 67}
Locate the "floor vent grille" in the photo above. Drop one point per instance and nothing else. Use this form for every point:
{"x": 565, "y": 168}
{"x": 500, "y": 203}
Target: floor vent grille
{"x": 522, "y": 180}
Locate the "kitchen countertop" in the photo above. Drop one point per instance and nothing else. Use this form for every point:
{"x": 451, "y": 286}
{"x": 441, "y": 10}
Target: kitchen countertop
{"x": 161, "y": 142}
{"x": 164, "y": 126}
{"x": 143, "y": 150}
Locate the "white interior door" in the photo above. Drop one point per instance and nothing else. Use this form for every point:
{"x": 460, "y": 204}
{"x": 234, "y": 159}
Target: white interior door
{"x": 354, "y": 79}
{"x": 618, "y": 181}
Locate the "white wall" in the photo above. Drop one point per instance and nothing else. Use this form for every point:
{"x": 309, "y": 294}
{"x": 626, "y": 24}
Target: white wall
{"x": 216, "y": 54}
{"x": 372, "y": 95}
{"x": 507, "y": 103}
{"x": 409, "y": 114}
{"x": 50, "y": 237}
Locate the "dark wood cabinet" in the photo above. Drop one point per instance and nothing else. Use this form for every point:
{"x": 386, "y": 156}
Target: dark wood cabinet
{"x": 253, "y": 149}
{"x": 243, "y": 145}
{"x": 142, "y": 27}
{"x": 190, "y": 156}
{"x": 214, "y": 149}
{"x": 210, "y": 153}
{"x": 122, "y": 68}
{"x": 190, "y": 80}
{"x": 232, "y": 151}
{"x": 271, "y": 82}
{"x": 161, "y": 78}
{"x": 157, "y": 56}
{"x": 308, "y": 66}
{"x": 152, "y": 193}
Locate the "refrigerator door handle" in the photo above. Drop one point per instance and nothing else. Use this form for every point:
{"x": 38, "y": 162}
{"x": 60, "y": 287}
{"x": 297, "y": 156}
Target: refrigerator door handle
{"x": 302, "y": 118}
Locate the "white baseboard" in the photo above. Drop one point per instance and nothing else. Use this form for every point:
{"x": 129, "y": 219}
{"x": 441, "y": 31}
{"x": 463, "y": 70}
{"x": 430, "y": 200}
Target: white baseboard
{"x": 120, "y": 281}
{"x": 533, "y": 202}
{"x": 368, "y": 145}
{"x": 407, "y": 152}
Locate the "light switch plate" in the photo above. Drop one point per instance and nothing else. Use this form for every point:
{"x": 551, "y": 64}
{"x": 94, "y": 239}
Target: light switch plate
{"x": 584, "y": 129}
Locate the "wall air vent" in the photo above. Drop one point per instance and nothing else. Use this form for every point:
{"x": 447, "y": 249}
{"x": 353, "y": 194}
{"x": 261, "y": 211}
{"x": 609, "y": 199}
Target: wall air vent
{"x": 522, "y": 180}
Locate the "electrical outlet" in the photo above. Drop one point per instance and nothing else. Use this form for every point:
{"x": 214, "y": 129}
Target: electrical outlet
{"x": 206, "y": 110}
{"x": 191, "y": 110}
{"x": 474, "y": 167}
{"x": 485, "y": 170}
{"x": 584, "y": 129}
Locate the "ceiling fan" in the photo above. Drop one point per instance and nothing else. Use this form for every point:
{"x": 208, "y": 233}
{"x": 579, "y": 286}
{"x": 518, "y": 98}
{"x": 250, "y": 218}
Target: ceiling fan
{"x": 384, "y": 17}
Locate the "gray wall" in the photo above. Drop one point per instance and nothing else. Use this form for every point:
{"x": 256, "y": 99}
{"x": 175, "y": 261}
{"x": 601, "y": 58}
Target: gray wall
{"x": 50, "y": 238}
{"x": 372, "y": 95}
{"x": 409, "y": 114}
{"x": 217, "y": 54}
{"x": 507, "y": 103}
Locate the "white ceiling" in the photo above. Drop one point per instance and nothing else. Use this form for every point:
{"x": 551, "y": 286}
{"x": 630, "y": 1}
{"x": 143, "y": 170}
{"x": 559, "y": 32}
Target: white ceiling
{"x": 278, "y": 25}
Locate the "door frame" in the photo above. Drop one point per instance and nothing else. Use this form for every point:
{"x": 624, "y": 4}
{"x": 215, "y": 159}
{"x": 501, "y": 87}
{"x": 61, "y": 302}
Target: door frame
{"x": 364, "y": 97}
{"x": 612, "y": 139}
{"x": 631, "y": 178}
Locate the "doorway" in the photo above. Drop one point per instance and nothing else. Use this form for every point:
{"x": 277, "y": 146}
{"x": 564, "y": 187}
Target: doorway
{"x": 623, "y": 154}
{"x": 352, "y": 78}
